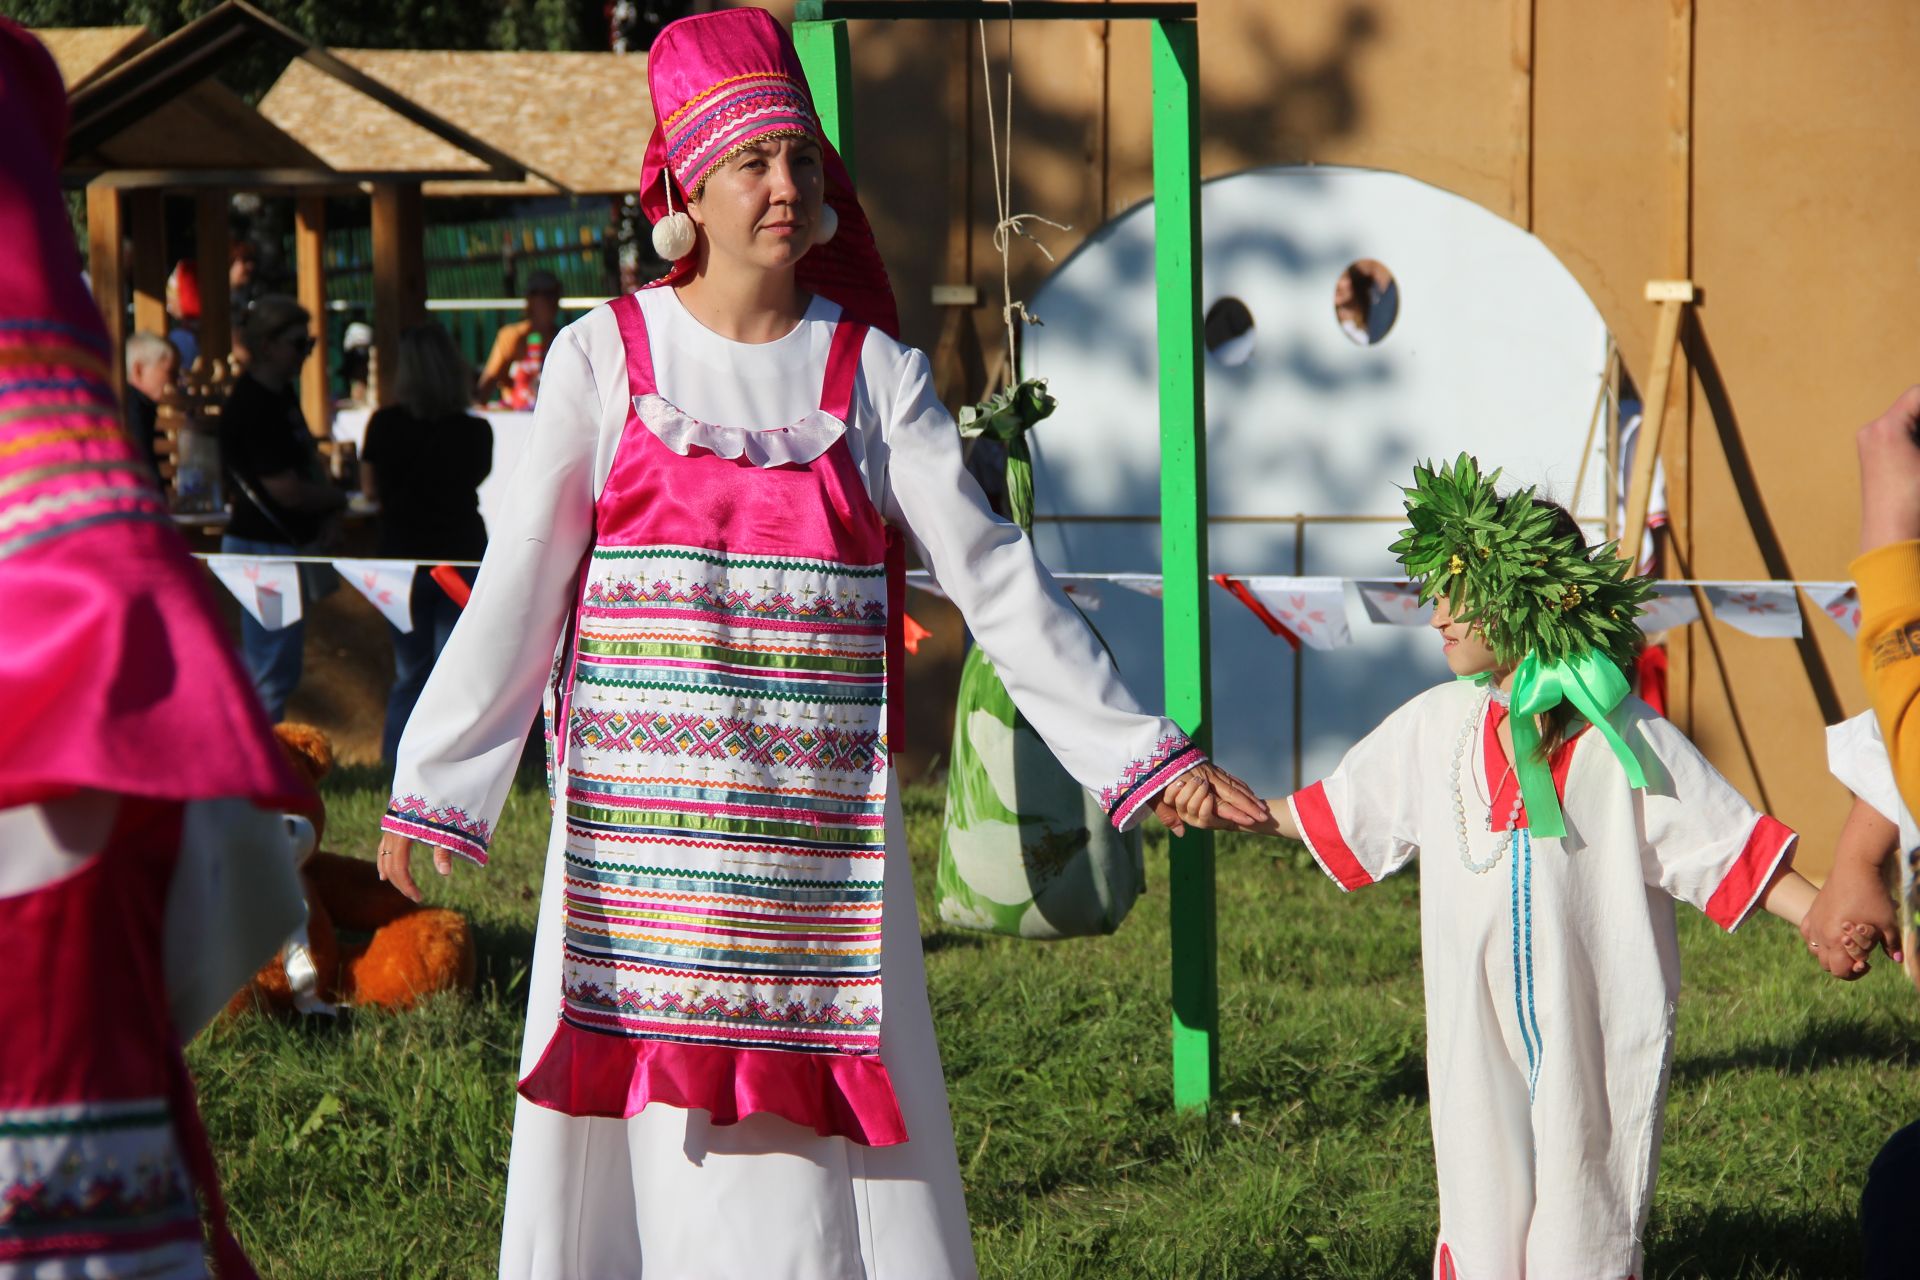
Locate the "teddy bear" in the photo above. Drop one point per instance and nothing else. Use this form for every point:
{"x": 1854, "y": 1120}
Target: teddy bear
{"x": 409, "y": 951}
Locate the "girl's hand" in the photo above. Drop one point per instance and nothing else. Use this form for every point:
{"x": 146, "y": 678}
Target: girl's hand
{"x": 1851, "y": 916}
{"x": 395, "y": 861}
{"x": 1209, "y": 798}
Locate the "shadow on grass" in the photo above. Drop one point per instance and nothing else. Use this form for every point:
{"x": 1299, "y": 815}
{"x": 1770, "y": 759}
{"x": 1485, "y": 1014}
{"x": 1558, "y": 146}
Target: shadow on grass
{"x": 1740, "y": 1241}
{"x": 1821, "y": 1044}
{"x": 950, "y": 940}
{"x": 505, "y": 956}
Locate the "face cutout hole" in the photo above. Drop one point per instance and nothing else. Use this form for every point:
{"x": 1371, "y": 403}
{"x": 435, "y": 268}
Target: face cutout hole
{"x": 1366, "y": 301}
{"x": 1228, "y": 331}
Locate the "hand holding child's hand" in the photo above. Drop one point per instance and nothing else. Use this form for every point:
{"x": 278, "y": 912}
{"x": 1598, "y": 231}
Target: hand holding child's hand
{"x": 1209, "y": 798}
{"x": 1851, "y": 916}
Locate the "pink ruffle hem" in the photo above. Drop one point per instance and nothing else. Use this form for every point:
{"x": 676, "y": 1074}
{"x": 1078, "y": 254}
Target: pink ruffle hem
{"x": 587, "y": 1073}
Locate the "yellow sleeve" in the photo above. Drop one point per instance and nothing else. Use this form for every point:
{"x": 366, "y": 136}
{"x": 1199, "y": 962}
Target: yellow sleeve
{"x": 506, "y": 345}
{"x": 1889, "y": 582}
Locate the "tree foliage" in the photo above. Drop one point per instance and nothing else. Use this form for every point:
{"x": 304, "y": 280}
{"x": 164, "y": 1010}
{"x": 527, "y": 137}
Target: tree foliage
{"x": 358, "y": 24}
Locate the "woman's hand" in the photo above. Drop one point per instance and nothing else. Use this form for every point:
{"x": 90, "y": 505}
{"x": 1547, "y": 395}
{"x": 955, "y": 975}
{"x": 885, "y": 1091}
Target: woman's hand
{"x": 396, "y": 863}
{"x": 1209, "y": 798}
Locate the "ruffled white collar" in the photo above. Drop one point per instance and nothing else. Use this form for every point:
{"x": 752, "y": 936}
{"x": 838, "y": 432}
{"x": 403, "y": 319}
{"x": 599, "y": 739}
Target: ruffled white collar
{"x": 798, "y": 443}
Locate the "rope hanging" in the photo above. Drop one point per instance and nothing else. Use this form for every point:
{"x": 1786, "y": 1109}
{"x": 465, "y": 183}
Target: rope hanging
{"x": 1008, "y": 224}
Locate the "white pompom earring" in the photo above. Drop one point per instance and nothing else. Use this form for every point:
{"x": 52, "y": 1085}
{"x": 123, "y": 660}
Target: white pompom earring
{"x": 673, "y": 235}
{"x": 829, "y": 224}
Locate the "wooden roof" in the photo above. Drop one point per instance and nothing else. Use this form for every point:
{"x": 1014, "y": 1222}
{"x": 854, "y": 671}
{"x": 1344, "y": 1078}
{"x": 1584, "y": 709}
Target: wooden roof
{"x": 149, "y": 112}
{"x": 578, "y": 122}
{"x": 208, "y": 127}
{"x": 82, "y": 53}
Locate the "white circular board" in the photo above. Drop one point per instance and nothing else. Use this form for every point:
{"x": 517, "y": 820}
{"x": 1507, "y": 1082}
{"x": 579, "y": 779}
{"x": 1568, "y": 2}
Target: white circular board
{"x": 1495, "y": 350}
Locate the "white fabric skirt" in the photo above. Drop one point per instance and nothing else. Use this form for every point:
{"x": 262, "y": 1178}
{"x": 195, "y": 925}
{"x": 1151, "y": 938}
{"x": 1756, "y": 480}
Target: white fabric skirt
{"x": 667, "y": 1195}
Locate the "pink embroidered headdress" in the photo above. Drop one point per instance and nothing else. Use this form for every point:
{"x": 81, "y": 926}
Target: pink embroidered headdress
{"x": 723, "y": 80}
{"x": 115, "y": 671}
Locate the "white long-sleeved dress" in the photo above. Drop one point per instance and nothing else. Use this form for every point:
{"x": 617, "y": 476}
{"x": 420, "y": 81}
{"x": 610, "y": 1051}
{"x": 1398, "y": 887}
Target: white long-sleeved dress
{"x": 667, "y": 1192}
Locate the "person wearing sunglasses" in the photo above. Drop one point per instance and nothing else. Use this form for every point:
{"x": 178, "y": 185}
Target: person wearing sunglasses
{"x": 282, "y": 501}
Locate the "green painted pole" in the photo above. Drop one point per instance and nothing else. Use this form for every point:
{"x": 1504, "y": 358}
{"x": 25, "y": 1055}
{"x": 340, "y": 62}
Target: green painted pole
{"x": 1183, "y": 538}
{"x": 825, "y": 57}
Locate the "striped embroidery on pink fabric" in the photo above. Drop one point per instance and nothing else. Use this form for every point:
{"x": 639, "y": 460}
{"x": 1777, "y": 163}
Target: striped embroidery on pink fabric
{"x": 725, "y": 806}
{"x": 1147, "y": 776}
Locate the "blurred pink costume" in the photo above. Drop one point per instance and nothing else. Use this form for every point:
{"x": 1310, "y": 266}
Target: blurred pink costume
{"x": 126, "y": 729}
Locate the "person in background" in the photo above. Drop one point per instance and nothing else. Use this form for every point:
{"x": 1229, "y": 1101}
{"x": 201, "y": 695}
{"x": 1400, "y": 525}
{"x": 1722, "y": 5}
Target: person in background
{"x": 282, "y": 500}
{"x": 1366, "y": 301}
{"x": 243, "y": 274}
{"x": 183, "y": 311}
{"x": 152, "y": 368}
{"x": 1888, "y": 577}
{"x": 511, "y": 345}
{"x": 423, "y": 461}
{"x": 356, "y": 349}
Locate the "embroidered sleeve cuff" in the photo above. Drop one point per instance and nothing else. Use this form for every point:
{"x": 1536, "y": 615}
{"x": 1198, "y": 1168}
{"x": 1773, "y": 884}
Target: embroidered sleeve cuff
{"x": 448, "y": 826}
{"x": 1321, "y": 834}
{"x": 1126, "y": 800}
{"x": 1767, "y": 849}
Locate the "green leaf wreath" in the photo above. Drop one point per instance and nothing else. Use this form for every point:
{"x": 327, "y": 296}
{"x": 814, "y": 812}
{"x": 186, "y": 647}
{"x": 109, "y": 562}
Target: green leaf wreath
{"x": 1498, "y": 563}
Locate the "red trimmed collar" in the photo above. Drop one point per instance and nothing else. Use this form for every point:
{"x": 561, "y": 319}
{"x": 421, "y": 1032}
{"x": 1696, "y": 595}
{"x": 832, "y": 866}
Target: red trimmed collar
{"x": 1498, "y": 775}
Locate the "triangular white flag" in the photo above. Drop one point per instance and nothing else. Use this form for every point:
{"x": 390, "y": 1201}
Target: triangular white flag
{"x": 1671, "y": 605}
{"x": 387, "y": 585}
{"x": 1315, "y": 609}
{"x": 1839, "y": 601}
{"x": 267, "y": 589}
{"x": 1392, "y": 602}
{"x": 1764, "y": 609}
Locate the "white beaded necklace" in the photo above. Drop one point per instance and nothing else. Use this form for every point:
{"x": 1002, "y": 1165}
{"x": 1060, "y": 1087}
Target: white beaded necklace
{"x": 1492, "y": 860}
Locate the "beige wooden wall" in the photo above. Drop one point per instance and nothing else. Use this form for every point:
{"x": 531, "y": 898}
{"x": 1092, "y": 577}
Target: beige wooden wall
{"x": 1766, "y": 148}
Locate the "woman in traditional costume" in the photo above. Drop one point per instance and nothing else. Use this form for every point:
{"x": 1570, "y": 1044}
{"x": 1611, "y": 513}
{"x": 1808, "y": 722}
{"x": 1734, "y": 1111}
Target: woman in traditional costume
{"x": 729, "y": 1066}
{"x": 1554, "y": 846}
{"x": 144, "y": 864}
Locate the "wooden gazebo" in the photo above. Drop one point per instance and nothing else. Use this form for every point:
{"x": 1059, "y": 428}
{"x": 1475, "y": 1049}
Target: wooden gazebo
{"x": 149, "y": 120}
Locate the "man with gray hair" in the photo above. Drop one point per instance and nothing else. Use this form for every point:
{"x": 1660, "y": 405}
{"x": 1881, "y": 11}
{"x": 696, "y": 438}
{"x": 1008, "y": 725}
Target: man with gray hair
{"x": 152, "y": 367}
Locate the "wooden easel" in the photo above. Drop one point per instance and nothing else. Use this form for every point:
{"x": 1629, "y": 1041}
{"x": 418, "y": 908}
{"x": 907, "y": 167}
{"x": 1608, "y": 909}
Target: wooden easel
{"x": 1677, "y": 325}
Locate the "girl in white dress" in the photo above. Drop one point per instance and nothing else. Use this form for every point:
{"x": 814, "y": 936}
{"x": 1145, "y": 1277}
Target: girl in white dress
{"x": 729, "y": 1067}
{"x": 1560, "y": 819}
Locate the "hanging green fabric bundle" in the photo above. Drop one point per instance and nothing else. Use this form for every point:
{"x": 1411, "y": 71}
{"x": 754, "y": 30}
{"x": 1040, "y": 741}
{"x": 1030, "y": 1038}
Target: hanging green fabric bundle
{"x": 1025, "y": 850}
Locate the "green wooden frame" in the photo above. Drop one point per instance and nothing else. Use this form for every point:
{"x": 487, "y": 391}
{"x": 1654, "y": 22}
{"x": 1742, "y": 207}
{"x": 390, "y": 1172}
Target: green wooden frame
{"x": 820, "y": 35}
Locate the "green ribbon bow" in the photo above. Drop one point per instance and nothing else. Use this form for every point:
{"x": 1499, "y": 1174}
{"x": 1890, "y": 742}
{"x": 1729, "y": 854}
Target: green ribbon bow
{"x": 1595, "y": 686}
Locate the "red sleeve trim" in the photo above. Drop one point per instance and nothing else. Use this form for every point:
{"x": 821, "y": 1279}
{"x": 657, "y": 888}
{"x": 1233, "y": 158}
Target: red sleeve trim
{"x": 1739, "y": 893}
{"x": 1321, "y": 834}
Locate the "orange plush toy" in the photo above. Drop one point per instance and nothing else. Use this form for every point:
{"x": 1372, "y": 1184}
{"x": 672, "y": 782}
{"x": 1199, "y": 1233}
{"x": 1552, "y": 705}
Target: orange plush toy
{"x": 411, "y": 951}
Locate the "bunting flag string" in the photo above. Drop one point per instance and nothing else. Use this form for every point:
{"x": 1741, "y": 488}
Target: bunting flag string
{"x": 1313, "y": 611}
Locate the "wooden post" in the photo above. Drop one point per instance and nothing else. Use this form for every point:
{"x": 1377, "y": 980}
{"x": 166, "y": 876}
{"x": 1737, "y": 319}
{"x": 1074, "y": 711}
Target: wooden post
{"x": 1685, "y": 656}
{"x": 399, "y": 274}
{"x": 1520, "y": 175}
{"x": 212, "y": 234}
{"x": 825, "y": 57}
{"x": 106, "y": 264}
{"x": 147, "y": 219}
{"x": 310, "y": 268}
{"x": 1183, "y": 538}
{"x": 1673, "y": 296}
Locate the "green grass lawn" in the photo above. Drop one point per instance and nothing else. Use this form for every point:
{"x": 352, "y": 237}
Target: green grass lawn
{"x": 378, "y": 1146}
